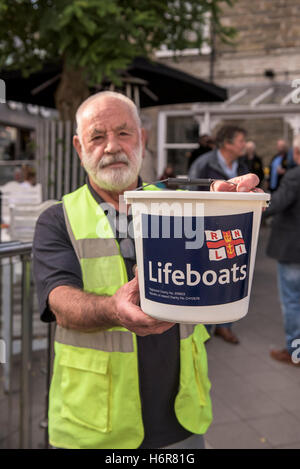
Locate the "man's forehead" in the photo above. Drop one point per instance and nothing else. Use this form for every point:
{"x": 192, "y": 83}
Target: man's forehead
{"x": 239, "y": 135}
{"x": 96, "y": 127}
{"x": 107, "y": 109}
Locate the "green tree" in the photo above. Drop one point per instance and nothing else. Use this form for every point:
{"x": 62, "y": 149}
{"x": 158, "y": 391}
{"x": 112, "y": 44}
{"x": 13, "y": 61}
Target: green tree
{"x": 94, "y": 39}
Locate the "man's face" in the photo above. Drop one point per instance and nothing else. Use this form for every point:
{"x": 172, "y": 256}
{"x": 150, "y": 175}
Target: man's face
{"x": 281, "y": 147}
{"x": 237, "y": 146}
{"x": 111, "y": 144}
{"x": 250, "y": 147}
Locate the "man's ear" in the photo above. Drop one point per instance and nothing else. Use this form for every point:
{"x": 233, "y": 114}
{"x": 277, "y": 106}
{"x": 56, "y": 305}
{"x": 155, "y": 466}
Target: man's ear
{"x": 77, "y": 146}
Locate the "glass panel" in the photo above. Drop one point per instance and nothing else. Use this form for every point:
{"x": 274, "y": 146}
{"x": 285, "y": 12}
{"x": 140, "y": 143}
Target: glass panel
{"x": 16, "y": 144}
{"x": 8, "y": 139}
{"x": 16, "y": 172}
{"x": 182, "y": 129}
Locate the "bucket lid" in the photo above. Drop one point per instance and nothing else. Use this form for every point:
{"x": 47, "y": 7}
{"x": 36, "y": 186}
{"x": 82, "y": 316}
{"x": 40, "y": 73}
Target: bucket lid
{"x": 132, "y": 196}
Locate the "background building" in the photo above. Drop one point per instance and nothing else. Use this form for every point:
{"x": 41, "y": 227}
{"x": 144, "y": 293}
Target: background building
{"x": 259, "y": 69}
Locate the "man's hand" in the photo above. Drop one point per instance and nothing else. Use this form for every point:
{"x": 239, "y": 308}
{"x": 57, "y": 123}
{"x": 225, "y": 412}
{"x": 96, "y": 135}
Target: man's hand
{"x": 79, "y": 310}
{"x": 128, "y": 314}
{"x": 246, "y": 183}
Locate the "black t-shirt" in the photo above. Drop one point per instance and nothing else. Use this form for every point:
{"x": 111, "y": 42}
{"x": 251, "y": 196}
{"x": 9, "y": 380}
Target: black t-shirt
{"x": 56, "y": 264}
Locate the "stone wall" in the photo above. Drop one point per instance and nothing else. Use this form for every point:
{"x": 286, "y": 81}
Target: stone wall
{"x": 268, "y": 37}
{"x": 263, "y": 25}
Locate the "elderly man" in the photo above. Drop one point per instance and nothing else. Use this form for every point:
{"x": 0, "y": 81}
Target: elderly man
{"x": 284, "y": 246}
{"x": 117, "y": 380}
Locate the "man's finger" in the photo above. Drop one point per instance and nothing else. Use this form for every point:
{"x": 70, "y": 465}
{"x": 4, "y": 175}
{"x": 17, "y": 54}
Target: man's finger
{"x": 245, "y": 183}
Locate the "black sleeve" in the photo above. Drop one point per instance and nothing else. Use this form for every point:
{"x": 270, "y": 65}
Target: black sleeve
{"x": 54, "y": 260}
{"x": 285, "y": 195}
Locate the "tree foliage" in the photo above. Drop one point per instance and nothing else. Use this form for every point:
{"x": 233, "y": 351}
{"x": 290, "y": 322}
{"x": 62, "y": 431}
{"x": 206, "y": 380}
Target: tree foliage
{"x": 100, "y": 36}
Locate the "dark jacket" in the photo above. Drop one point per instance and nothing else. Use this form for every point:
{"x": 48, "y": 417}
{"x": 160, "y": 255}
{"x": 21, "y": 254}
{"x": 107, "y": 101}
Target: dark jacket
{"x": 284, "y": 241}
{"x": 208, "y": 166}
{"x": 255, "y": 166}
{"x": 201, "y": 150}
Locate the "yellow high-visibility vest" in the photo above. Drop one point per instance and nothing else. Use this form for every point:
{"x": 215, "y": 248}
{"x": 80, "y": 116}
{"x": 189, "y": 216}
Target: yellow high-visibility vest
{"x": 94, "y": 396}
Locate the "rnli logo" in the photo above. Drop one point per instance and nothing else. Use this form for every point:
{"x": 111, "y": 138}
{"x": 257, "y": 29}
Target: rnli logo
{"x": 225, "y": 244}
{"x": 214, "y": 274}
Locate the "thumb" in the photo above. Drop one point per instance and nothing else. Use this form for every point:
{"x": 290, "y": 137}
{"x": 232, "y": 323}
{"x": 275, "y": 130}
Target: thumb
{"x": 134, "y": 284}
{"x": 135, "y": 271}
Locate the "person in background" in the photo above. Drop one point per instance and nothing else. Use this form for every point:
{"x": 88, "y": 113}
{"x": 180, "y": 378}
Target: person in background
{"x": 278, "y": 165}
{"x": 17, "y": 178}
{"x": 206, "y": 144}
{"x": 290, "y": 158}
{"x": 284, "y": 246}
{"x": 224, "y": 162}
{"x": 253, "y": 161}
{"x": 168, "y": 173}
{"x": 29, "y": 177}
{"x": 18, "y": 175}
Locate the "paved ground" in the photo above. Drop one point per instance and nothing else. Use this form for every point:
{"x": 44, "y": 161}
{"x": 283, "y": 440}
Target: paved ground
{"x": 255, "y": 400}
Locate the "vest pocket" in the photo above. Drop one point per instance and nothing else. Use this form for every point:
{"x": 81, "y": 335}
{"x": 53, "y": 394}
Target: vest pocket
{"x": 86, "y": 387}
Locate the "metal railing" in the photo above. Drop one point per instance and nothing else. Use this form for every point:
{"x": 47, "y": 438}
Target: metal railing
{"x": 10, "y": 253}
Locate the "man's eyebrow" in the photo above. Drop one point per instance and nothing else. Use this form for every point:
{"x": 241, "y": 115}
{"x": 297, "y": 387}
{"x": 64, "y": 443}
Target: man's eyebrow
{"x": 119, "y": 128}
{"x": 124, "y": 126}
{"x": 96, "y": 132}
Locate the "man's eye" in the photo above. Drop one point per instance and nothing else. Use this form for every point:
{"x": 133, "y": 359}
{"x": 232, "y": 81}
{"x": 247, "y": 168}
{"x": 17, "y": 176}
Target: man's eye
{"x": 123, "y": 134}
{"x": 98, "y": 137}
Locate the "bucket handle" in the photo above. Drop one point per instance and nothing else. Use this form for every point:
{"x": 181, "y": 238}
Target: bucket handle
{"x": 186, "y": 181}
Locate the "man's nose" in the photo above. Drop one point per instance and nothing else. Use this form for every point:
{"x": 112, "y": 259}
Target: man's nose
{"x": 112, "y": 144}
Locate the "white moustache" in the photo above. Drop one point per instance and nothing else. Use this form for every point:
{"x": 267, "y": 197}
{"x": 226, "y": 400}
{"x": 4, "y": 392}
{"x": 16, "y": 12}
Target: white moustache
{"x": 108, "y": 160}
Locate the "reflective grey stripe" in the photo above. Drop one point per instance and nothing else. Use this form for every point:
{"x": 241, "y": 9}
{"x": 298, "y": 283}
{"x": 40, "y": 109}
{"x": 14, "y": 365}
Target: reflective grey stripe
{"x": 186, "y": 330}
{"x": 70, "y": 231}
{"x": 90, "y": 248}
{"x": 97, "y": 247}
{"x": 107, "y": 341}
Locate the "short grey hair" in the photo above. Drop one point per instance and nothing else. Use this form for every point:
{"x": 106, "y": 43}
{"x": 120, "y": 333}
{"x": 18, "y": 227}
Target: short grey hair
{"x": 106, "y": 94}
{"x": 296, "y": 142}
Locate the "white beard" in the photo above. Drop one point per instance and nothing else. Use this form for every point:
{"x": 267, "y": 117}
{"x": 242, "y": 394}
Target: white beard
{"x": 113, "y": 179}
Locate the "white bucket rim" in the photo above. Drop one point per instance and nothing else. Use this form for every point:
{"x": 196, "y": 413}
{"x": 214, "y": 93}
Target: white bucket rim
{"x": 131, "y": 196}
